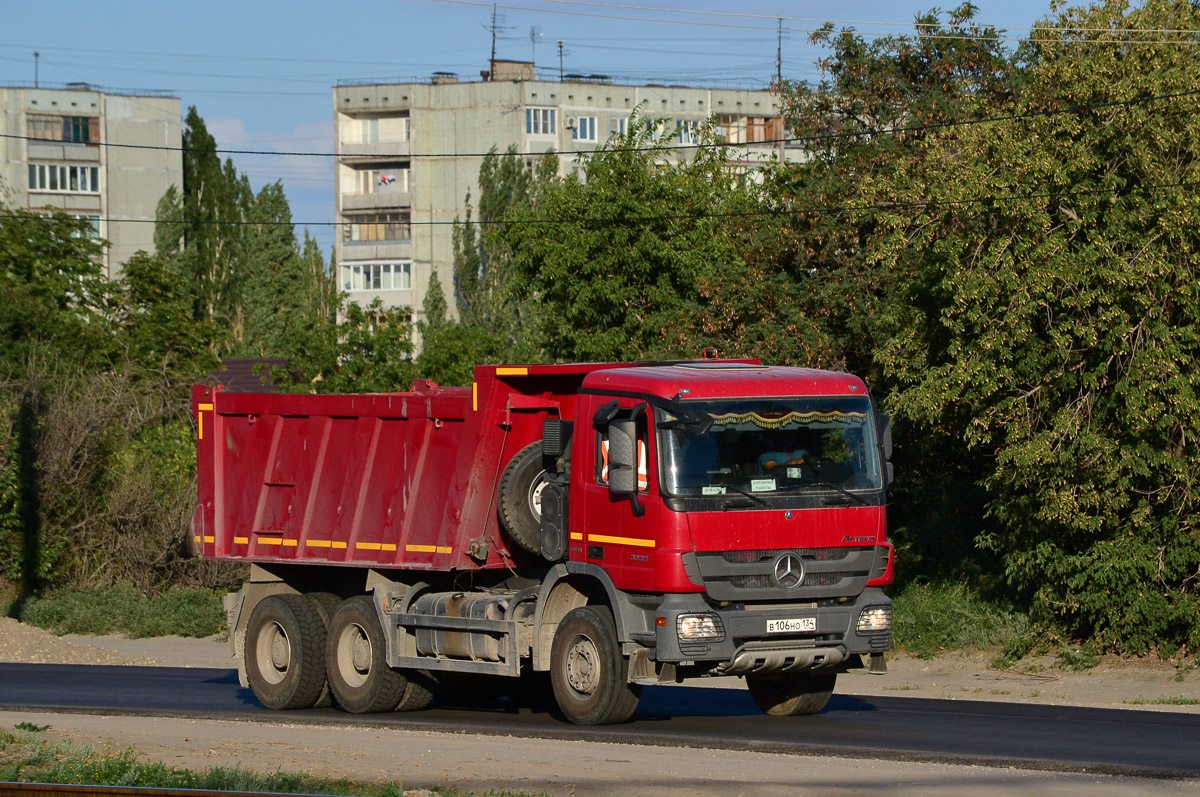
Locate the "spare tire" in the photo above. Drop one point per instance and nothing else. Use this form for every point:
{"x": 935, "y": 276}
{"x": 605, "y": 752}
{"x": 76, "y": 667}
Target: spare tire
{"x": 521, "y": 487}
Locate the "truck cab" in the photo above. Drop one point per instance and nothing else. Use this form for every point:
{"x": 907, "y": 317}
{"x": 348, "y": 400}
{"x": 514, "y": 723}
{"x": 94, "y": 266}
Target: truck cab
{"x": 738, "y": 511}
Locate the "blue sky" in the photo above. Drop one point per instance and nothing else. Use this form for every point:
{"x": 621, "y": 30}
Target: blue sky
{"x": 261, "y": 74}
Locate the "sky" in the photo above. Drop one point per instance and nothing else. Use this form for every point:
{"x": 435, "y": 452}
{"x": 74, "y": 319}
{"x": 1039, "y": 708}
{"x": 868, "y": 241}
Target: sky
{"x": 261, "y": 74}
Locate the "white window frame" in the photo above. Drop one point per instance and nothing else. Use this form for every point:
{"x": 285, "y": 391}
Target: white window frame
{"x": 541, "y": 121}
{"x": 689, "y": 131}
{"x": 391, "y": 276}
{"x": 585, "y": 128}
{"x": 64, "y": 178}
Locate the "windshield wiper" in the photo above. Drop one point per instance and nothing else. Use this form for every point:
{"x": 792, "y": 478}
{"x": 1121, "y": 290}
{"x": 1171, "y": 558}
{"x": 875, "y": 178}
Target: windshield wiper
{"x": 832, "y": 486}
{"x": 751, "y": 496}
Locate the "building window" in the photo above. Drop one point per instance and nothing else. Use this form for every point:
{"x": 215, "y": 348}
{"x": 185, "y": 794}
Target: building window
{"x": 93, "y": 220}
{"x": 386, "y": 226}
{"x": 376, "y": 277}
{"x": 77, "y": 129}
{"x": 541, "y": 121}
{"x": 689, "y": 131}
{"x": 64, "y": 179}
{"x": 374, "y": 129}
{"x": 585, "y": 129}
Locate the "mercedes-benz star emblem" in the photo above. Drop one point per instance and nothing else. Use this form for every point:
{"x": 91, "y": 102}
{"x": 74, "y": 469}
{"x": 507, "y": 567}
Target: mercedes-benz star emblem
{"x": 789, "y": 571}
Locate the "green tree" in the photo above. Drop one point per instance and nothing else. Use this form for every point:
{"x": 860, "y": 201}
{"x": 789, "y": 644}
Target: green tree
{"x": 1047, "y": 315}
{"x": 450, "y": 350}
{"x": 616, "y": 262}
{"x": 57, "y": 300}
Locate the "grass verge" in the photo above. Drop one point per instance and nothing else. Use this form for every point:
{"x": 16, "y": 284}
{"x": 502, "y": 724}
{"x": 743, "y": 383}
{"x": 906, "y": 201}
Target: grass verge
{"x": 930, "y": 619}
{"x": 26, "y": 757}
{"x": 188, "y": 612}
{"x": 1164, "y": 701}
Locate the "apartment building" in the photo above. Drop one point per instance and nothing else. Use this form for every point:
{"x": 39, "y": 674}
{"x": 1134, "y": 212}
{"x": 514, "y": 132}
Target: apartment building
{"x": 408, "y": 153}
{"x": 104, "y": 157}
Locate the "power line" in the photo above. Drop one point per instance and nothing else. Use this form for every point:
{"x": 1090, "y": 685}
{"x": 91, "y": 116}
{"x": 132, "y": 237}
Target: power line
{"x": 1048, "y": 29}
{"x": 881, "y": 205}
{"x": 653, "y": 148}
{"x": 822, "y": 21}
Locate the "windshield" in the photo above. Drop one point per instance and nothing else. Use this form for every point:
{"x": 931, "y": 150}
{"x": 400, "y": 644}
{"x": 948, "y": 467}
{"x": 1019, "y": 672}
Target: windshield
{"x": 784, "y": 445}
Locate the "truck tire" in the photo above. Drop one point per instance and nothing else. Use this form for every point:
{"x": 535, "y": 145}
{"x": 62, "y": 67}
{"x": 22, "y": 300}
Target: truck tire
{"x": 359, "y": 677}
{"x": 520, "y": 497}
{"x": 285, "y": 643}
{"x": 791, "y": 694}
{"x": 419, "y": 692}
{"x": 587, "y": 670}
{"x": 326, "y": 604}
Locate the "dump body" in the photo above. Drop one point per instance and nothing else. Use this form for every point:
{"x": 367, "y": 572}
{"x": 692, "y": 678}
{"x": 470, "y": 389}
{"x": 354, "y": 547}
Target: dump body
{"x": 379, "y": 480}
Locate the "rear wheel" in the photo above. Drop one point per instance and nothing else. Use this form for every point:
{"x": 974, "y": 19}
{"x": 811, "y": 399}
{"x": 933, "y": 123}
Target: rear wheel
{"x": 359, "y": 676}
{"x": 791, "y": 694}
{"x": 326, "y": 604}
{"x": 285, "y": 642}
{"x": 587, "y": 670}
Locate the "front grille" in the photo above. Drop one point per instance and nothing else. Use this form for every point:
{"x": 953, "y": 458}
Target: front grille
{"x": 829, "y": 572}
{"x": 769, "y": 555}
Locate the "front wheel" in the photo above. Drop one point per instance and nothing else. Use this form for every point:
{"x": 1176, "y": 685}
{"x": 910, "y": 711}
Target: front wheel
{"x": 791, "y": 694}
{"x": 359, "y": 676}
{"x": 587, "y": 670}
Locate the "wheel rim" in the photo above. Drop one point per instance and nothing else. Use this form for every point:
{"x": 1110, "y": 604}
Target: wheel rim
{"x": 273, "y": 653}
{"x": 583, "y": 665}
{"x": 535, "y": 497}
{"x": 354, "y": 655}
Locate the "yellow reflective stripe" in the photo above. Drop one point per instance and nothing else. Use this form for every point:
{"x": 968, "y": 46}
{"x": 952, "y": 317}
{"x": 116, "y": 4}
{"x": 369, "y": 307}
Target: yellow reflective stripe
{"x": 376, "y": 546}
{"x": 575, "y": 535}
{"x": 241, "y": 540}
{"x": 276, "y": 541}
{"x": 205, "y": 539}
{"x": 621, "y": 540}
{"x": 324, "y": 544}
{"x": 474, "y": 397}
{"x": 200, "y": 418}
{"x": 512, "y": 372}
{"x": 427, "y": 549}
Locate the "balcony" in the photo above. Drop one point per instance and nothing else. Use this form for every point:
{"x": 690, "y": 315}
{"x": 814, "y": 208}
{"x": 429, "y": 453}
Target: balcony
{"x": 376, "y": 200}
{"x": 374, "y": 149}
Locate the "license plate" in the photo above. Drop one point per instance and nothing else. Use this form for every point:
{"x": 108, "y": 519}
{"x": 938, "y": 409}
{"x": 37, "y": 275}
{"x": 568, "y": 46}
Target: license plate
{"x": 794, "y": 625}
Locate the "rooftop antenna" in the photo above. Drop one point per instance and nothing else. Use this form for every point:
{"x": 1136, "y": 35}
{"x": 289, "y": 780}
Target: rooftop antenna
{"x": 535, "y": 33}
{"x": 560, "y": 61}
{"x": 779, "y": 56}
{"x": 497, "y": 25}
{"x": 36, "y": 55}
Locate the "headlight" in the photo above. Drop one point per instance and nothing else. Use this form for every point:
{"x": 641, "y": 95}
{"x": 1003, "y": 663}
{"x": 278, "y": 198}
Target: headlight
{"x": 698, "y": 626}
{"x": 875, "y": 620}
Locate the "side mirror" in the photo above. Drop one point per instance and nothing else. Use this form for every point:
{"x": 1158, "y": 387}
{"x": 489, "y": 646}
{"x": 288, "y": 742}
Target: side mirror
{"x": 622, "y": 458}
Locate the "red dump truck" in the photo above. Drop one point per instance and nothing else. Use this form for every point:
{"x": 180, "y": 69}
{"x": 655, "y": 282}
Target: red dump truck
{"x": 586, "y": 528}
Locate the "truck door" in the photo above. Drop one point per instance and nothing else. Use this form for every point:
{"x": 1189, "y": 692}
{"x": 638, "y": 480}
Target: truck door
{"x": 620, "y": 532}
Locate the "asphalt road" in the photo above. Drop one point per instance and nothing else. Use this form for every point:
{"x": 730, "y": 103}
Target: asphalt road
{"x": 1055, "y": 738}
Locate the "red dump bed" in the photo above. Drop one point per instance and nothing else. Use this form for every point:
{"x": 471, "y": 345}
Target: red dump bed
{"x": 380, "y": 480}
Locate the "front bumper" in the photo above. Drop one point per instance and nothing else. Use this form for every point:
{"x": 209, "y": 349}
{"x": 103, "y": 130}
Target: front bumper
{"x": 744, "y": 645}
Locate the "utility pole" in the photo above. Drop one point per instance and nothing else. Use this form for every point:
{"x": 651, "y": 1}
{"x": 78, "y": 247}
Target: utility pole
{"x": 779, "y": 88}
{"x": 560, "y": 61}
{"x": 35, "y": 68}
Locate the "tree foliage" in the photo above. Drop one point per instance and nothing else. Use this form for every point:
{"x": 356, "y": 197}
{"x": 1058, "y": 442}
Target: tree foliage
{"x": 1043, "y": 316}
{"x": 617, "y": 260}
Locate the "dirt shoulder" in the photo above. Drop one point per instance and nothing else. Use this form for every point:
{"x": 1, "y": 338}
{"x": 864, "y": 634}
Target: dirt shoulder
{"x": 420, "y": 759}
{"x": 1115, "y": 683}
